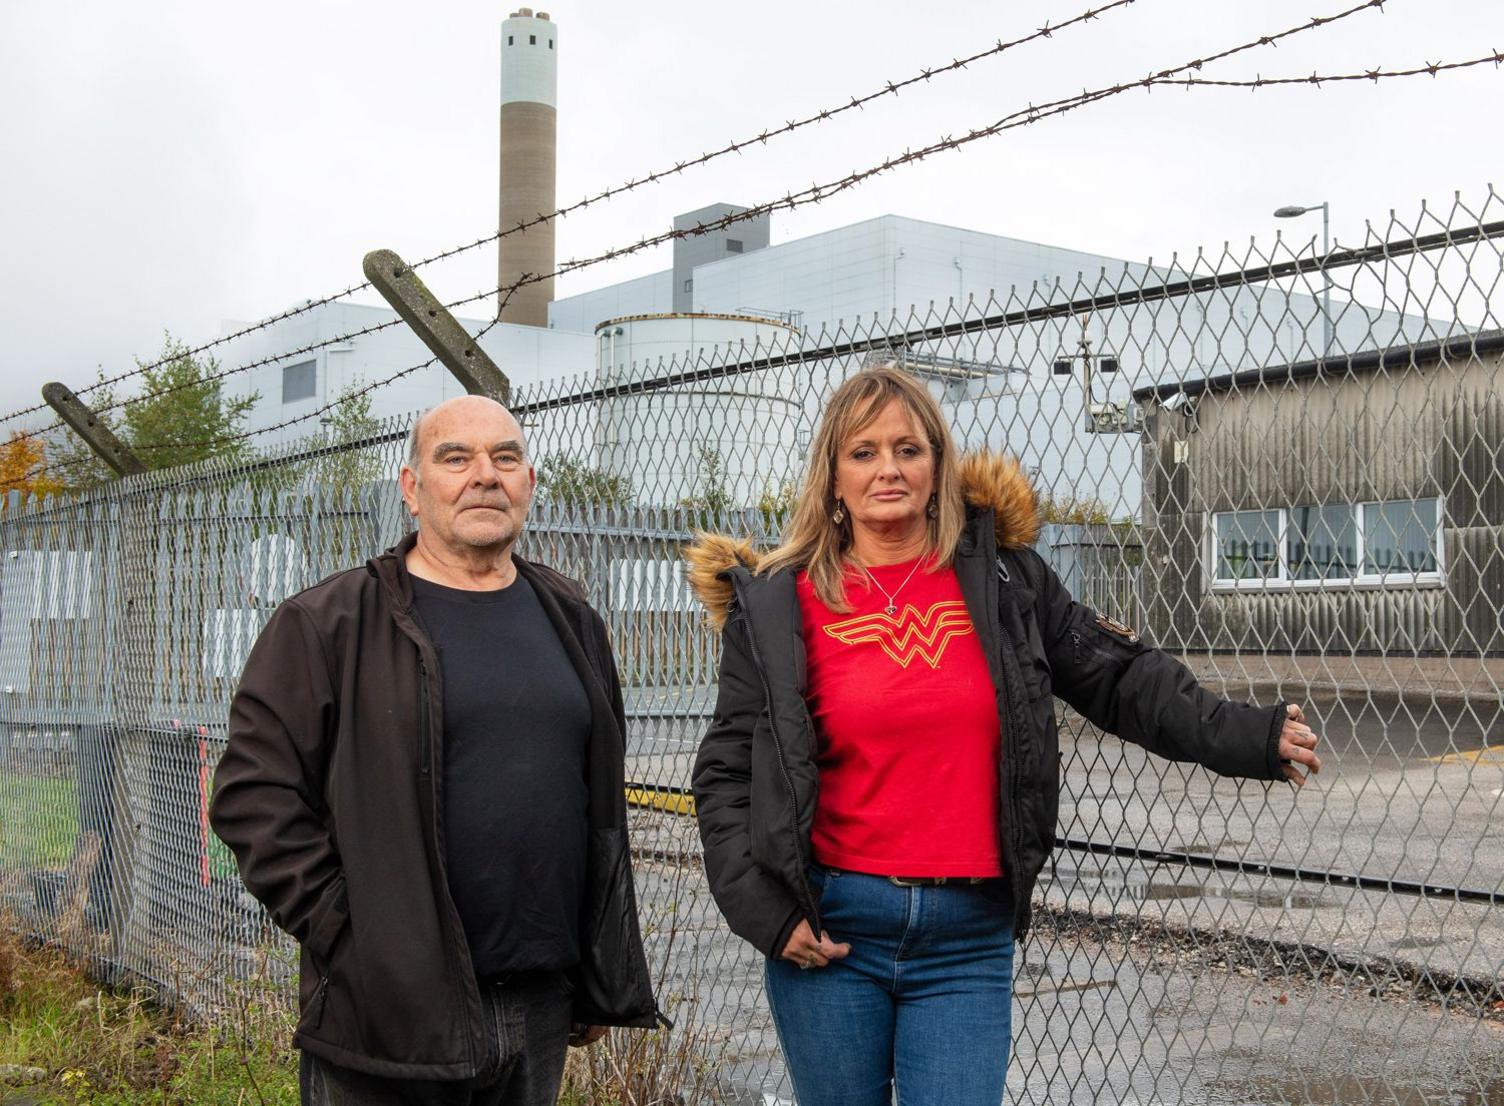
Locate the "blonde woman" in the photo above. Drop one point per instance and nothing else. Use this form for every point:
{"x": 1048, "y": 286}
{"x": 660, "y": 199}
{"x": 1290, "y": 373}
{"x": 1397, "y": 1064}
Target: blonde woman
{"x": 878, "y": 789}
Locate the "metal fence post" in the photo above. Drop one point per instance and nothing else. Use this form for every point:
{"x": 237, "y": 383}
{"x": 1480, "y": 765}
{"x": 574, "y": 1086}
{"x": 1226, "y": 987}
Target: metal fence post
{"x": 431, "y": 321}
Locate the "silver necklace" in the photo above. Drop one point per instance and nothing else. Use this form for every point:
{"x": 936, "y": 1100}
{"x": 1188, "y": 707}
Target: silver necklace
{"x": 892, "y": 608}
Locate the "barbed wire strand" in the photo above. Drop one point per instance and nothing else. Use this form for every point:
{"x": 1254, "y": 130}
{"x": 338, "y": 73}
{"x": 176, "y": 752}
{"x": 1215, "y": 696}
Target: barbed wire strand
{"x": 1023, "y": 117}
{"x": 1433, "y": 69}
{"x": 816, "y": 193}
{"x": 890, "y": 88}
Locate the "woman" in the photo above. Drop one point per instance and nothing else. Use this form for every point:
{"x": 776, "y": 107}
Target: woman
{"x": 878, "y": 789}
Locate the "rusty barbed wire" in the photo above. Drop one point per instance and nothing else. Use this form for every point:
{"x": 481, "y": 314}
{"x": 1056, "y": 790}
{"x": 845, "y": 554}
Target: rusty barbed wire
{"x": 891, "y": 88}
{"x": 816, "y": 193}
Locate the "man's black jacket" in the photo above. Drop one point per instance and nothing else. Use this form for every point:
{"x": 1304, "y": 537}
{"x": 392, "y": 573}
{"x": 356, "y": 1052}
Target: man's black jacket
{"x": 330, "y": 794}
{"x": 756, "y": 781}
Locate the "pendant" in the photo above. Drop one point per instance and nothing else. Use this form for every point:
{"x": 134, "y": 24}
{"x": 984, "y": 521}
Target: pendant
{"x": 890, "y": 610}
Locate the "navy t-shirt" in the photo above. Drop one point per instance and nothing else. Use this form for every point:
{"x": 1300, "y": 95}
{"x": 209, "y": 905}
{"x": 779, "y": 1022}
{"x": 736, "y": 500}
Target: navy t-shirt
{"x": 516, "y": 730}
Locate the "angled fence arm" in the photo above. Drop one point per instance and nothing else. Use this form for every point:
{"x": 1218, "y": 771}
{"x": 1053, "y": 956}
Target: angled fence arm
{"x": 431, "y": 321}
{"x": 88, "y": 426}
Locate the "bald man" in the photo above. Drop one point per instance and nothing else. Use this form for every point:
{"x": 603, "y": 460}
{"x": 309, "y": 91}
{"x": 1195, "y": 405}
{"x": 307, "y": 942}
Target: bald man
{"x": 424, "y": 786}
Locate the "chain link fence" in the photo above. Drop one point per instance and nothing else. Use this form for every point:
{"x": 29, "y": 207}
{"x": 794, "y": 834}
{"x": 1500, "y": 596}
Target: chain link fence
{"x": 1284, "y": 468}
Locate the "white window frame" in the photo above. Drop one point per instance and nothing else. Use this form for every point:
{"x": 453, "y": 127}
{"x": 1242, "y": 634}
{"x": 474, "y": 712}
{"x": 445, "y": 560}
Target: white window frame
{"x": 1222, "y": 583}
{"x": 1385, "y": 579}
{"x": 1364, "y": 580}
{"x": 1325, "y": 581}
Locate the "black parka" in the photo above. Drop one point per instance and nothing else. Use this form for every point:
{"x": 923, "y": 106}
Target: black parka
{"x": 756, "y": 782}
{"x": 330, "y": 794}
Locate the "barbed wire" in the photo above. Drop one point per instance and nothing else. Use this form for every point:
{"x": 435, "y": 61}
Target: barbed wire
{"x": 227, "y": 439}
{"x": 1495, "y": 58}
{"x": 816, "y": 193}
{"x": 891, "y": 88}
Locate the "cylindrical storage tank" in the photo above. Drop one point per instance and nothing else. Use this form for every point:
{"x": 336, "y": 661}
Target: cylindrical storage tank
{"x": 721, "y": 442}
{"x": 529, "y": 137}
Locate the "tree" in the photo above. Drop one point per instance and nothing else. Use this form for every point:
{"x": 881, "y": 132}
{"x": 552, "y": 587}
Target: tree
{"x": 1085, "y": 510}
{"x": 182, "y": 416}
{"x": 713, "y": 497}
{"x": 570, "y": 481}
{"x": 777, "y": 504}
{"x": 349, "y": 420}
{"x": 24, "y": 467}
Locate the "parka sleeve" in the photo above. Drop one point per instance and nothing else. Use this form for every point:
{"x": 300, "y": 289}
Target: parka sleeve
{"x": 1144, "y": 695}
{"x": 757, "y": 906}
{"x": 268, "y": 803}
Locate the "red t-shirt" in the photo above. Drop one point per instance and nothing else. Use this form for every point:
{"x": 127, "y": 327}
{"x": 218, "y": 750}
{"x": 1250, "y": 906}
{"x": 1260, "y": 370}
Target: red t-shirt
{"x": 906, "y": 719}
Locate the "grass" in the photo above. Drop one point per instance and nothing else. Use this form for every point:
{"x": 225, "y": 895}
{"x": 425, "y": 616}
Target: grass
{"x": 105, "y": 1048}
{"x": 38, "y": 821}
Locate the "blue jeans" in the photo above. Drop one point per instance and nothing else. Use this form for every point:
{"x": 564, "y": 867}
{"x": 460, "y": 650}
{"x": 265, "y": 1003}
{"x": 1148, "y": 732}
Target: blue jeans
{"x": 923, "y": 1004}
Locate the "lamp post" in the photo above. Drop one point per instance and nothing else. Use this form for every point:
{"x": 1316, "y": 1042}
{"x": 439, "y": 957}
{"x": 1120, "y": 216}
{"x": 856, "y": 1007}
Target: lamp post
{"x": 1291, "y": 211}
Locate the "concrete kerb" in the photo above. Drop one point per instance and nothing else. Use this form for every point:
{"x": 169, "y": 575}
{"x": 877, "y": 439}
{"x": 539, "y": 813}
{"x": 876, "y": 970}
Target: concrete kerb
{"x": 1475, "y": 680}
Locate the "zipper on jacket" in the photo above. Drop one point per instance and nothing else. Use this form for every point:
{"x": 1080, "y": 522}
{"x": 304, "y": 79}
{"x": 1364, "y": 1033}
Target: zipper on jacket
{"x": 425, "y": 722}
{"x": 1076, "y": 646}
{"x": 428, "y": 797}
{"x": 321, "y": 999}
{"x": 1002, "y": 570}
{"x": 1006, "y": 722}
{"x": 809, "y": 898}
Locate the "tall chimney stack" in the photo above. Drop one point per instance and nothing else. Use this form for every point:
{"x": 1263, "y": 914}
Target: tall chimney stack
{"x": 529, "y": 129}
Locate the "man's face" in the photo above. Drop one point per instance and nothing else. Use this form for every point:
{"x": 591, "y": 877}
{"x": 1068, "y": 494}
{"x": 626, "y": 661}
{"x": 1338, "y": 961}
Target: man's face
{"x": 473, "y": 484}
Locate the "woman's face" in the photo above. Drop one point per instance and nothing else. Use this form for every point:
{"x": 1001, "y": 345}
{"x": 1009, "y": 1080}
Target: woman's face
{"x": 885, "y": 473}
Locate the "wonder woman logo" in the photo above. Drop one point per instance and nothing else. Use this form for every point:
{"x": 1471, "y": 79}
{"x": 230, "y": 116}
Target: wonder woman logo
{"x": 908, "y": 634}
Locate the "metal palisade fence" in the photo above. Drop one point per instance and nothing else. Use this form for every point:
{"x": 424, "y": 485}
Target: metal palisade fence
{"x": 1285, "y": 468}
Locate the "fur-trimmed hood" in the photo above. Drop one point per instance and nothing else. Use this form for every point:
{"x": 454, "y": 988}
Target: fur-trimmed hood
{"x": 989, "y": 481}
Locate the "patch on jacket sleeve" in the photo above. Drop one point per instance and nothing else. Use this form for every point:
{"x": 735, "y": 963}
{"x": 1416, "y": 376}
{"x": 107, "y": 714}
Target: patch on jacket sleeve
{"x": 1113, "y": 626}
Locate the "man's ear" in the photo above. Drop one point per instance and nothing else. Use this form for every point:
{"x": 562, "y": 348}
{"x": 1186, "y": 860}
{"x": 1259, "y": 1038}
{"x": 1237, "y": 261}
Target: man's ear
{"x": 407, "y": 480}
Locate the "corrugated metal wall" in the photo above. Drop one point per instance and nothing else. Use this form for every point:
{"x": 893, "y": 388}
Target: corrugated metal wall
{"x": 1425, "y": 430}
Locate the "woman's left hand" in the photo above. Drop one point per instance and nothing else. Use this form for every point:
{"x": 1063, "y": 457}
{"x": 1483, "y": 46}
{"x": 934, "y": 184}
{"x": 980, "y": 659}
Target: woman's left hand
{"x": 1297, "y": 746}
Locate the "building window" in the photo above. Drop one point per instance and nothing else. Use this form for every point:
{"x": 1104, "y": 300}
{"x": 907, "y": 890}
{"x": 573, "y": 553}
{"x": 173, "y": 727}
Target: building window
{"x": 1247, "y": 546}
{"x": 733, "y": 245}
{"x": 1323, "y": 543}
{"x": 532, "y": 40}
{"x": 550, "y": 44}
{"x": 1401, "y": 538}
{"x": 1318, "y": 544}
{"x": 509, "y": 40}
{"x": 299, "y": 381}
{"x": 689, "y": 285}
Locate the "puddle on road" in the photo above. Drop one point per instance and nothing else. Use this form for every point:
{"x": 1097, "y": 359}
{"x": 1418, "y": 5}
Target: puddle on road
{"x": 1286, "y": 896}
{"x": 1289, "y": 900}
{"x": 1351, "y": 1090}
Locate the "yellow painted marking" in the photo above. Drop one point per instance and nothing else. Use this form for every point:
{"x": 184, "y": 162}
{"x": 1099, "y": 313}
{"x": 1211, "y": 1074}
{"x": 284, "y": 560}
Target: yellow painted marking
{"x": 667, "y": 799}
{"x": 1489, "y": 754}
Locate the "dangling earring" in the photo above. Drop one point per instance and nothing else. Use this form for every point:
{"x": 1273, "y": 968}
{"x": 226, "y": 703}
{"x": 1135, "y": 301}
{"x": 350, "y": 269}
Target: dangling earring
{"x": 838, "y": 516}
{"x": 933, "y": 510}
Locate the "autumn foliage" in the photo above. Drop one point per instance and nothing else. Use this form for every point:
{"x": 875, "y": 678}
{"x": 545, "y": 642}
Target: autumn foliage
{"x": 24, "y": 467}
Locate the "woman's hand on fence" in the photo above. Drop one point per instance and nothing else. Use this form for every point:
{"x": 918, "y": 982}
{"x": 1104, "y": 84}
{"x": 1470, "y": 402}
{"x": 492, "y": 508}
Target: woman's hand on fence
{"x": 1297, "y": 746}
{"x": 804, "y": 950}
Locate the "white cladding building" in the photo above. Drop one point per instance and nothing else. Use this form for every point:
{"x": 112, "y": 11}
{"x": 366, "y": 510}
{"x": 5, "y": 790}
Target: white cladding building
{"x": 730, "y": 290}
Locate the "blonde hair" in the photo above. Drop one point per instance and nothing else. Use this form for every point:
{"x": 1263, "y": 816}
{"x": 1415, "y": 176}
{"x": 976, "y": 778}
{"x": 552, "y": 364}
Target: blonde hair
{"x": 811, "y": 540}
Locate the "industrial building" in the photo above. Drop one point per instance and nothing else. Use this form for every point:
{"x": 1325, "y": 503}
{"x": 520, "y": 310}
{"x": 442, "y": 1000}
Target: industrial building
{"x": 731, "y": 292}
{"x": 1331, "y": 506}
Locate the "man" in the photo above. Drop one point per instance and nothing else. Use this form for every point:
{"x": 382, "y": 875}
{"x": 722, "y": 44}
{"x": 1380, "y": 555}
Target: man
{"x": 424, "y": 786}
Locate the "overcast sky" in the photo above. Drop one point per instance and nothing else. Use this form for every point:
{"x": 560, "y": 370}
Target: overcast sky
{"x": 173, "y": 165}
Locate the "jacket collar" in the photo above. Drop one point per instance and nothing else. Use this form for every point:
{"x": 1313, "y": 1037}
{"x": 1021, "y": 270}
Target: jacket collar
{"x": 390, "y": 569}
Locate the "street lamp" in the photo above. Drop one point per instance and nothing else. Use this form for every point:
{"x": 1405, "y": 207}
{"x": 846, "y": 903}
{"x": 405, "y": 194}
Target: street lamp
{"x": 1291, "y": 211}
